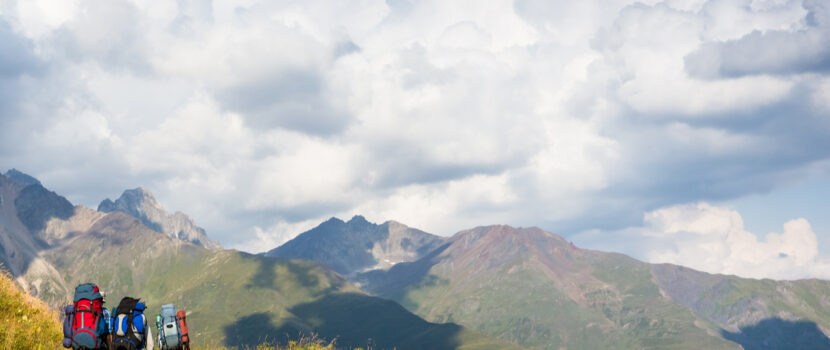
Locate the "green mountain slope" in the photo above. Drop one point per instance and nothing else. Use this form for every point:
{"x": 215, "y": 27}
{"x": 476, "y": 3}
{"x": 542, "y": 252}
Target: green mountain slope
{"x": 756, "y": 313}
{"x": 534, "y": 288}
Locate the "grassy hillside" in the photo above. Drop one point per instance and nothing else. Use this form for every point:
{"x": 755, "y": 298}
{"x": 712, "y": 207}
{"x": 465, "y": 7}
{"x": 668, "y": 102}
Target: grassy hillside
{"x": 25, "y": 322}
{"x": 535, "y": 289}
{"x": 238, "y": 299}
{"x": 522, "y": 305}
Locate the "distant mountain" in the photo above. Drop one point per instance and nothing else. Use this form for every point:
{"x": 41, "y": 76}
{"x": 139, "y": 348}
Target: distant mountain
{"x": 142, "y": 205}
{"x": 18, "y": 247}
{"x": 36, "y": 206}
{"x": 33, "y": 219}
{"x": 534, "y": 288}
{"x": 758, "y": 314}
{"x": 22, "y": 178}
{"x": 358, "y": 245}
{"x": 520, "y": 285}
{"x": 232, "y": 298}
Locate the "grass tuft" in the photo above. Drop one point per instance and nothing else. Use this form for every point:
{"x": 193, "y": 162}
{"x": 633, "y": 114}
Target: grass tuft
{"x": 304, "y": 343}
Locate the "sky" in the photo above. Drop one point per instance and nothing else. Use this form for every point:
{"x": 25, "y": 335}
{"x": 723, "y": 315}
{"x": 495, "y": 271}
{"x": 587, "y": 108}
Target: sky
{"x": 692, "y": 132}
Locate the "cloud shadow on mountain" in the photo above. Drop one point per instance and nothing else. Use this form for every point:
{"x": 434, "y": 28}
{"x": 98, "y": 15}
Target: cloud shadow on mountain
{"x": 265, "y": 275}
{"x": 352, "y": 320}
{"x": 36, "y": 206}
{"x": 305, "y": 274}
{"x": 392, "y": 283}
{"x": 258, "y": 328}
{"x": 775, "y": 333}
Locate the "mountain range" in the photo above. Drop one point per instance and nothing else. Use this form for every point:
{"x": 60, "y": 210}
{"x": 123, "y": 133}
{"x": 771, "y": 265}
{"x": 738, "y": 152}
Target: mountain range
{"x": 232, "y": 298}
{"x": 536, "y": 289}
{"x": 490, "y": 287}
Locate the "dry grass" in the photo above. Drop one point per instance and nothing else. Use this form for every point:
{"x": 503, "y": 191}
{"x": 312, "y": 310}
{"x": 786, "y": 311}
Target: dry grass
{"x": 25, "y": 321}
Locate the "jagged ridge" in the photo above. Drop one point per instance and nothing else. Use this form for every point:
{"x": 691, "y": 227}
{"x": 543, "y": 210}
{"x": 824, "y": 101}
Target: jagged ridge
{"x": 142, "y": 205}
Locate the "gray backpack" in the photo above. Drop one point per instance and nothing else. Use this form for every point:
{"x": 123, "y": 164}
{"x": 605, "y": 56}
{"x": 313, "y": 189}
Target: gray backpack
{"x": 170, "y": 336}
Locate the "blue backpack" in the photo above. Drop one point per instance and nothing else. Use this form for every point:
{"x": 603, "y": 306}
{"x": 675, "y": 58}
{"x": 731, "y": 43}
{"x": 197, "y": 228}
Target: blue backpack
{"x": 128, "y": 322}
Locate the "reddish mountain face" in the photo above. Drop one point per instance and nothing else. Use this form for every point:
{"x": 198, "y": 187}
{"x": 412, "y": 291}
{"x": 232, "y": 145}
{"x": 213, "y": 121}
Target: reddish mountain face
{"x": 483, "y": 249}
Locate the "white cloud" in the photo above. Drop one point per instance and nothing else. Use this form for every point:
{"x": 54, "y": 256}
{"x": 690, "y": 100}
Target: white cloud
{"x": 713, "y": 239}
{"x": 821, "y": 96}
{"x": 777, "y": 40}
{"x": 258, "y": 118}
{"x": 306, "y": 173}
{"x": 478, "y": 200}
{"x": 39, "y": 17}
{"x": 265, "y": 239}
{"x": 648, "y": 46}
{"x": 730, "y": 20}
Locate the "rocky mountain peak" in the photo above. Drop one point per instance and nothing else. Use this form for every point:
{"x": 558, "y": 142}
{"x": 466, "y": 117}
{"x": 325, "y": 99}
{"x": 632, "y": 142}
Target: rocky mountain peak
{"x": 333, "y": 221}
{"x": 21, "y": 177}
{"x": 358, "y": 245}
{"x": 358, "y": 220}
{"x": 136, "y": 199}
{"x": 142, "y": 205}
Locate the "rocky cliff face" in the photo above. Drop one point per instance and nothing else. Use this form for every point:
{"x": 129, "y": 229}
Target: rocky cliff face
{"x": 17, "y": 246}
{"x": 141, "y": 204}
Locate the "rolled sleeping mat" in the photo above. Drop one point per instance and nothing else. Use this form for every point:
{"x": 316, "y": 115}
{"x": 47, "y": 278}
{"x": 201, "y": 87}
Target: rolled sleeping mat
{"x": 182, "y": 317}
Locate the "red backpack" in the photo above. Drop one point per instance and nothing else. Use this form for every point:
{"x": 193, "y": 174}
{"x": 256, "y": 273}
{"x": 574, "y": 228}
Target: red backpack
{"x": 86, "y": 317}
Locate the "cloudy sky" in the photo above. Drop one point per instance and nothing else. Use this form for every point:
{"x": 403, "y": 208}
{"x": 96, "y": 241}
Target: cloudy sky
{"x": 694, "y": 132}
